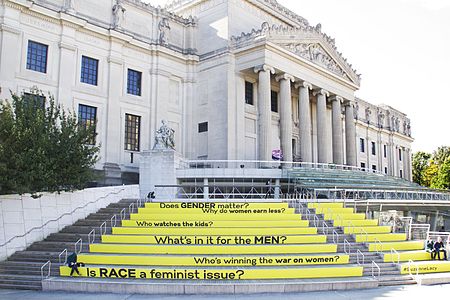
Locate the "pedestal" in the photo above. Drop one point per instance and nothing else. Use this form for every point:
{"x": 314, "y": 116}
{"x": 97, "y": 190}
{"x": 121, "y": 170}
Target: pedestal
{"x": 158, "y": 168}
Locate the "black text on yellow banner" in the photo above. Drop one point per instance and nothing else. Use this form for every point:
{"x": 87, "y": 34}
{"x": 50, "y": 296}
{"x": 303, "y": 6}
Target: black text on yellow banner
{"x": 211, "y": 261}
{"x": 214, "y": 239}
{"x": 217, "y": 274}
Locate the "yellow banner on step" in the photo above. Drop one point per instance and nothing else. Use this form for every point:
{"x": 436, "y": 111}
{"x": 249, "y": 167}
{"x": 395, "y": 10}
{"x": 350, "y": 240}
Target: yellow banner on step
{"x": 211, "y": 261}
{"x": 351, "y": 223}
{"x": 216, "y": 211}
{"x": 215, "y": 231}
{"x": 382, "y": 237}
{"x": 326, "y": 205}
{"x": 407, "y": 255}
{"x": 216, "y": 217}
{"x": 335, "y": 210}
{"x": 399, "y": 246}
{"x": 214, "y": 239}
{"x": 216, "y": 274}
{"x": 211, "y": 223}
{"x": 426, "y": 267}
{"x": 213, "y": 250}
{"x": 367, "y": 229}
{"x": 216, "y": 205}
{"x": 351, "y": 216}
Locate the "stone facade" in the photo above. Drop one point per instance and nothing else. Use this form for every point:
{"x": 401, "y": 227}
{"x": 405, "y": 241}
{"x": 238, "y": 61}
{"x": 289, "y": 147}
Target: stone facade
{"x": 200, "y": 62}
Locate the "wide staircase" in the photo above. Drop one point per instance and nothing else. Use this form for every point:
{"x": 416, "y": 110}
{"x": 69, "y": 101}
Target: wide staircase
{"x": 329, "y": 178}
{"x": 22, "y": 270}
{"x": 223, "y": 242}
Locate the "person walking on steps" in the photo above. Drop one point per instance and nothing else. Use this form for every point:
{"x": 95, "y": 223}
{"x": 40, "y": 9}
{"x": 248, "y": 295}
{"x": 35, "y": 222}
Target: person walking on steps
{"x": 73, "y": 264}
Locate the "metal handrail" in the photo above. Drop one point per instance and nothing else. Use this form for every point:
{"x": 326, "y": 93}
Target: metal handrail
{"x": 113, "y": 223}
{"x": 102, "y": 228}
{"x": 392, "y": 256}
{"x": 79, "y": 242}
{"x": 375, "y": 265}
{"x": 91, "y": 236}
{"x": 60, "y": 254}
{"x": 188, "y": 164}
{"x": 325, "y": 227}
{"x": 60, "y": 217}
{"x": 316, "y": 221}
{"x": 122, "y": 214}
{"x": 49, "y": 264}
{"x": 380, "y": 249}
{"x": 131, "y": 208}
{"x": 411, "y": 262}
{"x": 363, "y": 231}
{"x": 335, "y": 235}
{"x": 359, "y": 253}
{"x": 346, "y": 242}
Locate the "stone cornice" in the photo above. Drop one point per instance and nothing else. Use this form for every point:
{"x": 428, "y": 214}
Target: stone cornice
{"x": 312, "y": 35}
{"x": 6, "y": 28}
{"x": 83, "y": 24}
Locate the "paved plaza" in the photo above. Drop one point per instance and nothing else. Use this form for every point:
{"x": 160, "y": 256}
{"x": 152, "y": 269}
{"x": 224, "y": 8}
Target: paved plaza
{"x": 401, "y": 292}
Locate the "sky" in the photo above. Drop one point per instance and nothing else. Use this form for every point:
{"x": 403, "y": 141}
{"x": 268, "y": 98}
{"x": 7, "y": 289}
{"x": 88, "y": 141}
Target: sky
{"x": 401, "y": 48}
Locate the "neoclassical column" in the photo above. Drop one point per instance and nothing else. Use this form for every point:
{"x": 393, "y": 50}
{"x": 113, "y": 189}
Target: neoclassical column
{"x": 305, "y": 121}
{"x": 321, "y": 109}
{"x": 350, "y": 134}
{"x": 264, "y": 112}
{"x": 338, "y": 151}
{"x": 286, "y": 115}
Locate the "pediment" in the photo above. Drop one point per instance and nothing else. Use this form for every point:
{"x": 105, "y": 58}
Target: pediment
{"x": 308, "y": 43}
{"x": 316, "y": 54}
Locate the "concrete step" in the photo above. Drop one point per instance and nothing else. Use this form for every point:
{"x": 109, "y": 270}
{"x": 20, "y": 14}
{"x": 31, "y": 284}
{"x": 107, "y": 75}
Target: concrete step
{"x": 20, "y": 286}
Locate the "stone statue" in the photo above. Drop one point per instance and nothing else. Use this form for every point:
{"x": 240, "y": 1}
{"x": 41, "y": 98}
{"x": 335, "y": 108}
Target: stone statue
{"x": 318, "y": 27}
{"x": 118, "y": 11}
{"x": 265, "y": 27}
{"x": 164, "y": 138}
{"x": 164, "y": 28}
{"x": 368, "y": 112}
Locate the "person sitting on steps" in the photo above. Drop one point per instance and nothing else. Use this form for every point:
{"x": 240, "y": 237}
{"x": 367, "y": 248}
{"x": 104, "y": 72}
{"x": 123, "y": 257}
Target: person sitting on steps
{"x": 429, "y": 247}
{"x": 438, "y": 248}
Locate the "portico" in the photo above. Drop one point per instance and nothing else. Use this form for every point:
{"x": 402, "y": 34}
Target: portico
{"x": 312, "y": 83}
{"x": 308, "y": 94}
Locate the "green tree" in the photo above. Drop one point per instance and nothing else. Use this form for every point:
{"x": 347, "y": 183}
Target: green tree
{"x": 442, "y": 178}
{"x": 42, "y": 147}
{"x": 420, "y": 162}
{"x": 441, "y": 155}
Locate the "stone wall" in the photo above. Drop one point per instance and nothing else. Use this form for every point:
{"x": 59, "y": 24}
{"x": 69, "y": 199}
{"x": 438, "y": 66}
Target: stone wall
{"x": 25, "y": 220}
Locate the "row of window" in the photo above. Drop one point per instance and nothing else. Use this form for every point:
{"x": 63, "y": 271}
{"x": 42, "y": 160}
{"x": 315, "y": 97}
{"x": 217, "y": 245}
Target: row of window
{"x": 87, "y": 117}
{"x": 37, "y": 55}
{"x": 249, "y": 97}
{"x": 362, "y": 148}
{"x": 374, "y": 168}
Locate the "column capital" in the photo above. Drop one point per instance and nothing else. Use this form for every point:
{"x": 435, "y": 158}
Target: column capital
{"x": 265, "y": 68}
{"x": 336, "y": 98}
{"x": 321, "y": 92}
{"x": 285, "y": 76}
{"x": 349, "y": 103}
{"x": 304, "y": 84}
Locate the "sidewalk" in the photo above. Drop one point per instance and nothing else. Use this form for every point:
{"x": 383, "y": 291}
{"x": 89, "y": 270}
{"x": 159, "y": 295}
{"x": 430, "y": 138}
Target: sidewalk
{"x": 402, "y": 292}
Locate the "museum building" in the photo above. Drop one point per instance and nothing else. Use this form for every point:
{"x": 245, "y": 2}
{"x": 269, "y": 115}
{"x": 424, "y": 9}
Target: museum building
{"x": 234, "y": 79}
